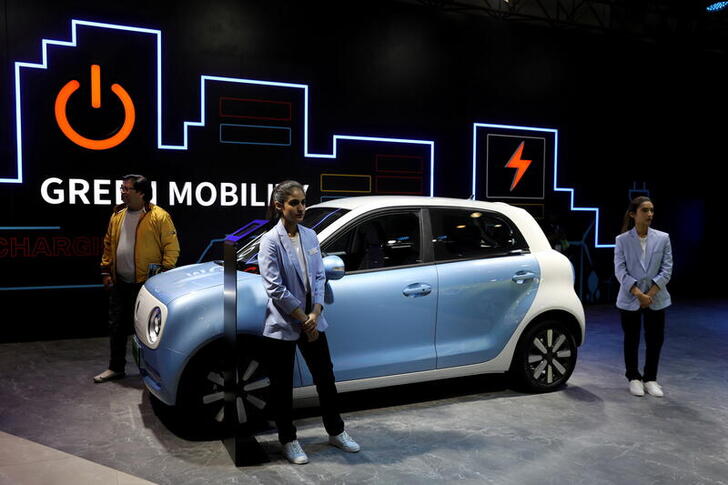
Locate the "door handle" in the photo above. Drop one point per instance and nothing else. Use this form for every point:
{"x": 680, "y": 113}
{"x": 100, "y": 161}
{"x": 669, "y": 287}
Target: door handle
{"x": 417, "y": 289}
{"x": 522, "y": 276}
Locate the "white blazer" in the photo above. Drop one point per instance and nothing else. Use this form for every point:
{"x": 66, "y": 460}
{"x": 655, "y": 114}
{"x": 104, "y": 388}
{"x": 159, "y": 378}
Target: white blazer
{"x": 629, "y": 270}
{"x": 284, "y": 280}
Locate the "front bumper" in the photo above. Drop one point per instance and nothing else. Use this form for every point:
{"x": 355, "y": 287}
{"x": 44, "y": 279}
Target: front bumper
{"x": 160, "y": 370}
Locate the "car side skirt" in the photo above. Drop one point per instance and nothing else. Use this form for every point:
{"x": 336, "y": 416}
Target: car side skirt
{"x": 499, "y": 364}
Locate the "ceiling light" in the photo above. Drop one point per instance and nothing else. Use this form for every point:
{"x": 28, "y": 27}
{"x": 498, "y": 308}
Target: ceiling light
{"x": 716, "y": 6}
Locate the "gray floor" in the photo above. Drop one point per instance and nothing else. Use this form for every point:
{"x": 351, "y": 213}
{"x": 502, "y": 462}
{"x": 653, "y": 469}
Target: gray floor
{"x": 24, "y": 462}
{"x": 473, "y": 429}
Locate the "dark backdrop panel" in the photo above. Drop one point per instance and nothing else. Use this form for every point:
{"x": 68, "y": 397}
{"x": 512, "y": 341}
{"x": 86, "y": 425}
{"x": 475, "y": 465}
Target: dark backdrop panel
{"x": 628, "y": 114}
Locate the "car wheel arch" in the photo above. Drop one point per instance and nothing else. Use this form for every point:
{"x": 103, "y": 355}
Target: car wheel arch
{"x": 205, "y": 350}
{"x": 558, "y": 315}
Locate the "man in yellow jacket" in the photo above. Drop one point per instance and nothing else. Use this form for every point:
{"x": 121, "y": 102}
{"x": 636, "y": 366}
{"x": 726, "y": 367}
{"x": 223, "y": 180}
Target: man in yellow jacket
{"x": 140, "y": 241}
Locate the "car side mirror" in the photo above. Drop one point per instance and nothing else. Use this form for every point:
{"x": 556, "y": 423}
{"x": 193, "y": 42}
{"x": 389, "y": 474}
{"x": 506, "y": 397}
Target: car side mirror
{"x": 334, "y": 267}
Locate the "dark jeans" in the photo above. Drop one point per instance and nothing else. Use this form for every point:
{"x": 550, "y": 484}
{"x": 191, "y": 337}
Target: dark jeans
{"x": 654, "y": 322}
{"x": 318, "y": 360}
{"x": 121, "y": 321}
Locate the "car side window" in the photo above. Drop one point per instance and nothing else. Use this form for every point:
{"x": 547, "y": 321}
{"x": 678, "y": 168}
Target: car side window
{"x": 469, "y": 233}
{"x": 383, "y": 241}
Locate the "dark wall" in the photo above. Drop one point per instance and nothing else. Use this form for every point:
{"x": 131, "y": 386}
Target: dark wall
{"x": 627, "y": 111}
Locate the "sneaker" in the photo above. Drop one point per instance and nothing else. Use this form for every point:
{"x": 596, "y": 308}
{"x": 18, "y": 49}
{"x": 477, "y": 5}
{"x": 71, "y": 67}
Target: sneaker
{"x": 636, "y": 387}
{"x": 345, "y": 442}
{"x": 654, "y": 389}
{"x": 294, "y": 453}
{"x": 108, "y": 375}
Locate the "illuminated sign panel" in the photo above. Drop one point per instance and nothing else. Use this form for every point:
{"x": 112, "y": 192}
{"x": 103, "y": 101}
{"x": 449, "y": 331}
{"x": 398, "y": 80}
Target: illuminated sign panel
{"x": 483, "y": 132}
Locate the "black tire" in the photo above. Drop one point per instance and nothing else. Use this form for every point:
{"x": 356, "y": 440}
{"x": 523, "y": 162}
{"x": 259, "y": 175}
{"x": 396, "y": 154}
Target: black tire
{"x": 168, "y": 415}
{"x": 545, "y": 357}
{"x": 201, "y": 395}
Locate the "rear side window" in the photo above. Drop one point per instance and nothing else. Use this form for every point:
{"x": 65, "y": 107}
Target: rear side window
{"x": 383, "y": 241}
{"x": 469, "y": 233}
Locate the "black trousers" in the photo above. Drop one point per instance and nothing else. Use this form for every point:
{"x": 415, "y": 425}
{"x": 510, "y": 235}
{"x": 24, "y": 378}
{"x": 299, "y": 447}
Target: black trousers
{"x": 121, "y": 321}
{"x": 654, "y": 323}
{"x": 280, "y": 362}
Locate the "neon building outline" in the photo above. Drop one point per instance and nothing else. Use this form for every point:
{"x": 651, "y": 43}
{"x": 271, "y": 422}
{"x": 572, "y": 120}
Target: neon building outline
{"x": 187, "y": 124}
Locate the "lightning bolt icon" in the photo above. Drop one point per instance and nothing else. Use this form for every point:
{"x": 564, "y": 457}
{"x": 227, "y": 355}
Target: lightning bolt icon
{"x": 519, "y": 164}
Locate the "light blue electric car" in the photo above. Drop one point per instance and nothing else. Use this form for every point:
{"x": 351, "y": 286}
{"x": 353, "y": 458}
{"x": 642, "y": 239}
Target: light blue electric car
{"x": 430, "y": 288}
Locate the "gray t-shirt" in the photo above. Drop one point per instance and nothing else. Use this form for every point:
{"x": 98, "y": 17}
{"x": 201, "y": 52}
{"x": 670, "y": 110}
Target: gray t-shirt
{"x": 296, "y": 240}
{"x": 125, "y": 266}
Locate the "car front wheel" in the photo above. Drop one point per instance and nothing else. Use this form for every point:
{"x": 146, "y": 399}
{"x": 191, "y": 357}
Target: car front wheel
{"x": 545, "y": 357}
{"x": 202, "y": 393}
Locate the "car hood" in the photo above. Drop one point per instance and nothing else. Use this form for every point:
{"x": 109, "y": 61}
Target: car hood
{"x": 184, "y": 280}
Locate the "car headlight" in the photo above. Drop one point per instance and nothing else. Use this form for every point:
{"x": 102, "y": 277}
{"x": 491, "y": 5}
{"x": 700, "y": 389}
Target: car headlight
{"x": 154, "y": 325}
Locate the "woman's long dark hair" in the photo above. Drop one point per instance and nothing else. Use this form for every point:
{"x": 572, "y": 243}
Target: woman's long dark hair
{"x": 628, "y": 222}
{"x": 279, "y": 194}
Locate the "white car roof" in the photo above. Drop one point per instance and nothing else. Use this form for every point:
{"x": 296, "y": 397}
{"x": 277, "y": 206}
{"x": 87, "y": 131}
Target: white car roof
{"x": 525, "y": 222}
{"x": 376, "y": 201}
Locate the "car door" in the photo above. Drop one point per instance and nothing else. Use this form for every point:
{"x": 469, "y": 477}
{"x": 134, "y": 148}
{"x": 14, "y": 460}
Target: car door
{"x": 487, "y": 282}
{"x": 382, "y": 313}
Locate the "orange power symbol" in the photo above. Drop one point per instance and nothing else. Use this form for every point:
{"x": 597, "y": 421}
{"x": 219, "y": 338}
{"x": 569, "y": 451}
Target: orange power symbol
{"x": 73, "y": 135}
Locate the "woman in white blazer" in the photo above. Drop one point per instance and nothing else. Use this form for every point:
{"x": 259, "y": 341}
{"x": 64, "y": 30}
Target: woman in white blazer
{"x": 293, "y": 273}
{"x": 643, "y": 266}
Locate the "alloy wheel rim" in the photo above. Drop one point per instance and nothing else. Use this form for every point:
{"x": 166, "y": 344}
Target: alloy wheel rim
{"x": 550, "y": 357}
{"x": 251, "y": 389}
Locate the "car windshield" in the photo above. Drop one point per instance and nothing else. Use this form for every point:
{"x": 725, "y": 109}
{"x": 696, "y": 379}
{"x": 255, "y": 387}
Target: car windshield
{"x": 316, "y": 218}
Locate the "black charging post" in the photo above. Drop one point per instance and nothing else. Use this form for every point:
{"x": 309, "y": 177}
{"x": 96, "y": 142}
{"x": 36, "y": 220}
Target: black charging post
{"x": 241, "y": 444}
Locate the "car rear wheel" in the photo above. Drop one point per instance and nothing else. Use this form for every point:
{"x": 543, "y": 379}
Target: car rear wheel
{"x": 202, "y": 389}
{"x": 545, "y": 357}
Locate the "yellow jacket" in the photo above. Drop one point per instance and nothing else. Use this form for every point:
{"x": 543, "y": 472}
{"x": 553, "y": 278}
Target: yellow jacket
{"x": 156, "y": 242}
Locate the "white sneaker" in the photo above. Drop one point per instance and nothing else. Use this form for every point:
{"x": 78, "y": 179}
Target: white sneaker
{"x": 654, "y": 389}
{"x": 294, "y": 453}
{"x": 345, "y": 442}
{"x": 636, "y": 387}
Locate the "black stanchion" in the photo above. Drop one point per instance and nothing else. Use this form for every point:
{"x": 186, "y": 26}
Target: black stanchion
{"x": 244, "y": 449}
